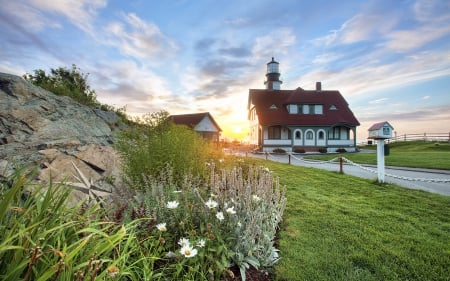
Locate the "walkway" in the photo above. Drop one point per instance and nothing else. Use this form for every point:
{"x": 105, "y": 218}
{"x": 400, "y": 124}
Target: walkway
{"x": 436, "y": 181}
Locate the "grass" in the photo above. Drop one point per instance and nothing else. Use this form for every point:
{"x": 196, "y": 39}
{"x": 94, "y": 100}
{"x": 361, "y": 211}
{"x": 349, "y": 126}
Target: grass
{"x": 339, "y": 227}
{"x": 414, "y": 154}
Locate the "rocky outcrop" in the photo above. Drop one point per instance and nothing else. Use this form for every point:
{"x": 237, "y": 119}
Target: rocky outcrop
{"x": 56, "y": 133}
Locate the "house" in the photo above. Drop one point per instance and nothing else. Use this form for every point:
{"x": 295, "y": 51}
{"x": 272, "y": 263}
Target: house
{"x": 202, "y": 123}
{"x": 299, "y": 120}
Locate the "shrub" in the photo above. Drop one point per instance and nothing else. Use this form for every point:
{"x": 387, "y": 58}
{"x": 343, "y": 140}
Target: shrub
{"x": 341, "y": 150}
{"x": 152, "y": 143}
{"x": 279, "y": 150}
{"x": 299, "y": 150}
{"x": 323, "y": 150}
{"x": 231, "y": 219}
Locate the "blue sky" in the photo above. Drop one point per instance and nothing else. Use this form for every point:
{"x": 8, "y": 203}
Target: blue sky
{"x": 389, "y": 59}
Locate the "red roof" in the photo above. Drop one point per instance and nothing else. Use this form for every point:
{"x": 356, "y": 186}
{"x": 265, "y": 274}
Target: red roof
{"x": 192, "y": 120}
{"x": 266, "y": 100}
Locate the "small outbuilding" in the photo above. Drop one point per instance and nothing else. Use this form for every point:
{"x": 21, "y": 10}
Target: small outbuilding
{"x": 381, "y": 130}
{"x": 203, "y": 123}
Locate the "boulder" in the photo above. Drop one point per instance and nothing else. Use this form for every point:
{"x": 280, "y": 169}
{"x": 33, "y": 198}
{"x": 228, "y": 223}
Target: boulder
{"x": 57, "y": 134}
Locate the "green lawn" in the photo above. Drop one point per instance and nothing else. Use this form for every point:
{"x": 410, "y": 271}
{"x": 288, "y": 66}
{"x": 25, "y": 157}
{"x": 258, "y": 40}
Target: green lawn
{"x": 339, "y": 227}
{"x": 406, "y": 154}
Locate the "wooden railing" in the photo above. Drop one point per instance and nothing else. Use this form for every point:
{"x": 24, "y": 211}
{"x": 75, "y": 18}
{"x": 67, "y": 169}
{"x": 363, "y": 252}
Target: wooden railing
{"x": 415, "y": 137}
{"x": 422, "y": 137}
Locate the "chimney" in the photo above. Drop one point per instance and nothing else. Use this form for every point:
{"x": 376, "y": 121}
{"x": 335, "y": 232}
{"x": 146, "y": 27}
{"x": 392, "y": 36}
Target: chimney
{"x": 318, "y": 86}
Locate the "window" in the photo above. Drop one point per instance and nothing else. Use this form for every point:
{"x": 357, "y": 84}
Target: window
{"x": 298, "y": 135}
{"x": 334, "y": 133}
{"x": 309, "y": 135}
{"x": 333, "y": 107}
{"x": 321, "y": 135}
{"x": 274, "y": 132}
{"x": 318, "y": 109}
{"x": 293, "y": 109}
{"x": 310, "y": 109}
{"x": 273, "y": 106}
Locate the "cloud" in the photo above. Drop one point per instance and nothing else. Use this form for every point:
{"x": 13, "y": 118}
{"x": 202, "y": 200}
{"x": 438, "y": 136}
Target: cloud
{"x": 124, "y": 83}
{"x": 405, "y": 40}
{"x": 279, "y": 40}
{"x": 81, "y": 12}
{"x": 378, "y": 101}
{"x": 426, "y": 97}
{"x": 362, "y": 27}
{"x": 432, "y": 10}
{"x": 138, "y": 38}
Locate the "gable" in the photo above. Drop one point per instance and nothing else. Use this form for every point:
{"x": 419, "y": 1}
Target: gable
{"x": 206, "y": 125}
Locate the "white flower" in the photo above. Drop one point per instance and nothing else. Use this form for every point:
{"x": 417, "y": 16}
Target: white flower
{"x": 256, "y": 198}
{"x": 201, "y": 243}
{"x": 170, "y": 255}
{"x": 172, "y": 204}
{"x": 161, "y": 227}
{"x": 231, "y": 211}
{"x": 220, "y": 160}
{"x": 211, "y": 204}
{"x": 183, "y": 242}
{"x": 220, "y": 216}
{"x": 239, "y": 224}
{"x": 188, "y": 251}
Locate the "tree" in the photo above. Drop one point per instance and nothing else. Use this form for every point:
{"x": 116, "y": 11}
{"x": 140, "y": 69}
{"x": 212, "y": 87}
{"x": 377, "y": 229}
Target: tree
{"x": 65, "y": 82}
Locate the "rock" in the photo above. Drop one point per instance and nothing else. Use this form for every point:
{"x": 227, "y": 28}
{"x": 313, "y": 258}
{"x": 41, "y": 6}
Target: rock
{"x": 57, "y": 134}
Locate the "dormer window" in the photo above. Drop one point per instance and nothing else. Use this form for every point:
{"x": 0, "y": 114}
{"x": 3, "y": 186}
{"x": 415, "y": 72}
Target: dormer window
{"x": 273, "y": 106}
{"x": 333, "y": 107}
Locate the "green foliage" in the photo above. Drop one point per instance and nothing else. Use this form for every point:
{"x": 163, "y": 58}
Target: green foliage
{"x": 65, "y": 82}
{"x": 279, "y": 150}
{"x": 42, "y": 239}
{"x": 153, "y": 142}
{"x": 232, "y": 219}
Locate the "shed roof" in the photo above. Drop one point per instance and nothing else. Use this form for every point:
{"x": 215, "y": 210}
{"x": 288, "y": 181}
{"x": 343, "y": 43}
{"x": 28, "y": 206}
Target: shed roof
{"x": 192, "y": 120}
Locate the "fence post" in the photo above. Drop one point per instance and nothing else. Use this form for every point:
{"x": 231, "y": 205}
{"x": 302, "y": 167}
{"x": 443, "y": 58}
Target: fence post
{"x": 289, "y": 158}
{"x": 267, "y": 155}
{"x": 341, "y": 170}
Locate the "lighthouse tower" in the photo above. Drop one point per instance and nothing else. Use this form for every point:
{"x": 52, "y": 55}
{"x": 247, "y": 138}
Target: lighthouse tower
{"x": 273, "y": 81}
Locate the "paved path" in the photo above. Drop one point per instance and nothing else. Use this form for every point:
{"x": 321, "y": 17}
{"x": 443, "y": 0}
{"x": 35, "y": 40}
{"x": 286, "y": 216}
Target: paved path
{"x": 424, "y": 179}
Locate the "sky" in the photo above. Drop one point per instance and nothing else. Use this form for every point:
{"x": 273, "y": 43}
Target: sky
{"x": 389, "y": 59}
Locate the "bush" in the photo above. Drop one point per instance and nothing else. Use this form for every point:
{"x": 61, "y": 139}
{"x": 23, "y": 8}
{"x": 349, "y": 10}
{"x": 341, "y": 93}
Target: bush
{"x": 153, "y": 143}
{"x": 323, "y": 150}
{"x": 279, "y": 150}
{"x": 341, "y": 150}
{"x": 203, "y": 229}
{"x": 299, "y": 150}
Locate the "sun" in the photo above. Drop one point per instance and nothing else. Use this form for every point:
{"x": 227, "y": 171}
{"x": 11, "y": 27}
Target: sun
{"x": 237, "y": 130}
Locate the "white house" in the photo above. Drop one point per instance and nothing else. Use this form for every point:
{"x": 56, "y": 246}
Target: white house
{"x": 299, "y": 120}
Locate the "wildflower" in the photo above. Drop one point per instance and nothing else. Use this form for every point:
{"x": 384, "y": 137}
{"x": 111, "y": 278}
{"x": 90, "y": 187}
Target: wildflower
{"x": 201, "y": 243}
{"x": 213, "y": 195}
{"x": 256, "y": 198}
{"x": 211, "y": 204}
{"x": 220, "y": 216}
{"x": 171, "y": 255}
{"x": 239, "y": 224}
{"x": 172, "y": 204}
{"x": 188, "y": 251}
{"x": 220, "y": 160}
{"x": 113, "y": 271}
{"x": 183, "y": 242}
{"x": 231, "y": 211}
{"x": 161, "y": 227}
